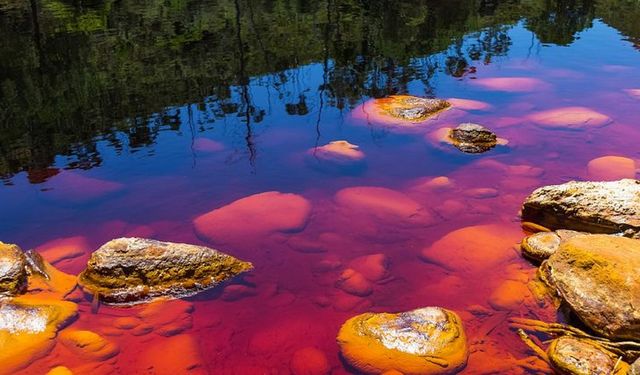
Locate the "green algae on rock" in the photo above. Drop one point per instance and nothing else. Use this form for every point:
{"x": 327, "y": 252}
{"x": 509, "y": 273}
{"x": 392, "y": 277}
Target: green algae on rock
{"x": 137, "y": 270}
{"x": 611, "y": 207}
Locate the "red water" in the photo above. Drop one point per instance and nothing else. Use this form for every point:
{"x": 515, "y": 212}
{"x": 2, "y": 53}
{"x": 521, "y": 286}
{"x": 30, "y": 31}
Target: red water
{"x": 293, "y": 298}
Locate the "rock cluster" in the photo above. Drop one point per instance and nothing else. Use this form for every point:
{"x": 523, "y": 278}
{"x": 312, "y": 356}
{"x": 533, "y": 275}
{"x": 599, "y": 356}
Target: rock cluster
{"x": 133, "y": 270}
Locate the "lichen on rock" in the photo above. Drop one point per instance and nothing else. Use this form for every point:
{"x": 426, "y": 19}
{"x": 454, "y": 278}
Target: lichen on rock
{"x": 13, "y": 270}
{"x": 411, "y": 108}
{"x": 135, "y": 270}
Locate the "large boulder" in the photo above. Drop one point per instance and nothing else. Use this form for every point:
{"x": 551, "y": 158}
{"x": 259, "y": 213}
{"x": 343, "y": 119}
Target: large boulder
{"x": 13, "y": 270}
{"x": 597, "y": 276}
{"x": 134, "y": 270}
{"x": 594, "y": 207}
{"x": 430, "y": 340}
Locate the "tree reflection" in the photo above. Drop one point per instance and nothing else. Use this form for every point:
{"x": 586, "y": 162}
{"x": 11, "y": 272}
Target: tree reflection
{"x": 71, "y": 75}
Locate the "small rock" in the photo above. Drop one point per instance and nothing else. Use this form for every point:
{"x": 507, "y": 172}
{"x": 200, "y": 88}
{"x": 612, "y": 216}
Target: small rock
{"x": 355, "y": 283}
{"x": 237, "y": 292}
{"x": 13, "y": 270}
{"x": 481, "y": 193}
{"x": 540, "y": 246}
{"x": 473, "y": 138}
{"x": 570, "y": 118}
{"x": 382, "y": 203}
{"x": 88, "y": 345}
{"x": 175, "y": 355}
{"x": 570, "y": 355}
{"x": 611, "y": 168}
{"x": 136, "y": 270}
{"x": 336, "y": 156}
{"x": 256, "y": 216}
{"x": 309, "y": 361}
{"x": 510, "y": 84}
{"x": 429, "y": 340}
{"x": 373, "y": 267}
{"x": 411, "y": 108}
{"x": 166, "y": 318}
{"x": 509, "y": 295}
{"x": 59, "y": 370}
{"x": 595, "y": 207}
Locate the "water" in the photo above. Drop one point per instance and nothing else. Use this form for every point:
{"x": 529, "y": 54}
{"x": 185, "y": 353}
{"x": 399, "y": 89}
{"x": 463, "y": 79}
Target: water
{"x": 134, "y": 118}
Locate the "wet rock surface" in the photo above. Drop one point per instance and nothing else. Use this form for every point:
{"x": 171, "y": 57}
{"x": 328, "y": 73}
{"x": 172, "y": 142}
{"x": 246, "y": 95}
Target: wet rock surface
{"x": 411, "y": 108}
{"x": 597, "y": 276}
{"x": 28, "y": 327}
{"x": 429, "y": 340}
{"x": 569, "y": 355}
{"x": 594, "y": 207}
{"x": 540, "y": 246}
{"x": 473, "y": 138}
{"x": 134, "y": 270}
{"x": 635, "y": 368}
{"x": 13, "y": 270}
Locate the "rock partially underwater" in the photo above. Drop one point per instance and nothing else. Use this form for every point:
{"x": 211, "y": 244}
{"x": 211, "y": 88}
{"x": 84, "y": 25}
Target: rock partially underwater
{"x": 135, "y": 270}
{"x": 411, "y": 108}
{"x": 430, "y": 340}
{"x": 13, "y": 270}
{"x": 473, "y": 138}
{"x": 597, "y": 276}
{"x": 611, "y": 207}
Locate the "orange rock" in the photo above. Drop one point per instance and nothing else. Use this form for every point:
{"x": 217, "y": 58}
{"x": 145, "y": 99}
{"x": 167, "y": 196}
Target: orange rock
{"x": 437, "y": 183}
{"x": 511, "y": 84}
{"x": 166, "y": 318}
{"x": 88, "y": 345}
{"x": 476, "y": 248}
{"x": 257, "y": 215}
{"x": 382, "y": 203}
{"x": 509, "y": 295}
{"x": 235, "y": 292}
{"x": 207, "y": 145}
{"x": 28, "y": 326}
{"x": 175, "y": 355}
{"x": 57, "y": 286}
{"x": 611, "y": 168}
{"x": 126, "y": 322}
{"x": 450, "y": 208}
{"x": 468, "y": 104}
{"x": 373, "y": 267}
{"x": 429, "y": 340}
{"x": 347, "y": 302}
{"x": 59, "y": 370}
{"x": 64, "y": 248}
{"x": 338, "y": 151}
{"x": 570, "y": 118}
{"x": 354, "y": 283}
{"x": 309, "y": 361}
{"x": 401, "y": 112}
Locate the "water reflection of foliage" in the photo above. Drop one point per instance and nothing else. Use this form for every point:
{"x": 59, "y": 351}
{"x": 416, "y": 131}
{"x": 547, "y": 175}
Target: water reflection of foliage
{"x": 118, "y": 71}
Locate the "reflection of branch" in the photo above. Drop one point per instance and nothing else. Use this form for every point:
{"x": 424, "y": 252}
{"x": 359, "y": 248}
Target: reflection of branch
{"x": 244, "y": 83}
{"x": 325, "y": 70}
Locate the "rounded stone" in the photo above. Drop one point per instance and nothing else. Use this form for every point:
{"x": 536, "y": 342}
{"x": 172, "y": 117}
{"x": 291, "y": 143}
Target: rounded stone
{"x": 540, "y": 246}
{"x": 569, "y": 355}
{"x": 88, "y": 345}
{"x": 309, "y": 361}
{"x": 610, "y": 168}
{"x": 429, "y": 340}
{"x": 336, "y": 156}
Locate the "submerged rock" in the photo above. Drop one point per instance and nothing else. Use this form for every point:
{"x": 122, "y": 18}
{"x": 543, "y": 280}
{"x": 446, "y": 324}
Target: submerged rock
{"x": 597, "y": 276}
{"x": 610, "y": 168}
{"x": 540, "y": 246}
{"x": 411, "y": 108}
{"x": 594, "y": 207}
{"x": 473, "y": 138}
{"x": 13, "y": 270}
{"x": 134, "y": 270}
{"x": 430, "y": 340}
{"x": 28, "y": 327}
{"x": 336, "y": 156}
{"x": 254, "y": 218}
{"x": 570, "y": 118}
{"x": 88, "y": 345}
{"x": 570, "y": 355}
{"x": 309, "y": 361}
